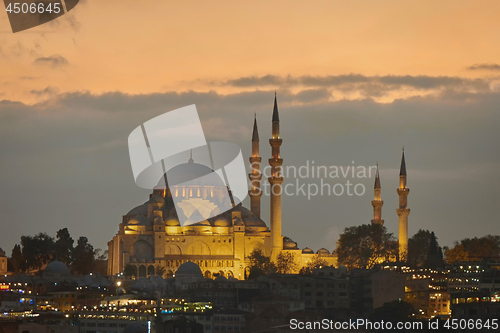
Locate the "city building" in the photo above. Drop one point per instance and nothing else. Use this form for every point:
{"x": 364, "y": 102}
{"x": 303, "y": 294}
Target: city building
{"x": 326, "y": 290}
{"x": 427, "y": 291}
{"x": 3, "y": 262}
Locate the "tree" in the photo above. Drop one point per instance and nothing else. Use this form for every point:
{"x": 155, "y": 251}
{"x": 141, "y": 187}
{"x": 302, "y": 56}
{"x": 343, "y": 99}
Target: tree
{"x": 100, "y": 255}
{"x": 482, "y": 248}
{"x": 315, "y": 263}
{"x": 424, "y": 250}
{"x": 457, "y": 253}
{"x": 160, "y": 270}
{"x": 17, "y": 260}
{"x": 37, "y": 250}
{"x": 475, "y": 249}
{"x": 259, "y": 264}
{"x": 285, "y": 263}
{"x": 63, "y": 247}
{"x": 365, "y": 245}
{"x": 83, "y": 256}
{"x": 418, "y": 248}
{"x": 434, "y": 258}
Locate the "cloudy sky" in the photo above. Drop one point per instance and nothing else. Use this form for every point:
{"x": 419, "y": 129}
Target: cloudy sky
{"x": 356, "y": 80}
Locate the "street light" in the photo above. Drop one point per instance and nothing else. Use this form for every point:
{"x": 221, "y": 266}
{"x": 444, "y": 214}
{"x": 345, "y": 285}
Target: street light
{"x": 118, "y": 284}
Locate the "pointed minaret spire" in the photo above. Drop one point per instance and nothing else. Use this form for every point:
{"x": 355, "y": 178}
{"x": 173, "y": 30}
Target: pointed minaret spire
{"x": 255, "y": 135}
{"x": 402, "y": 170}
{"x": 276, "y": 116}
{"x": 377, "y": 202}
{"x": 403, "y": 211}
{"x": 255, "y": 176}
{"x": 377, "y": 180}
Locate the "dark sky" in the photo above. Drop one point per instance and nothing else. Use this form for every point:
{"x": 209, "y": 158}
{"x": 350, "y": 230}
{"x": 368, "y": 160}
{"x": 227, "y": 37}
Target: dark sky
{"x": 356, "y": 81}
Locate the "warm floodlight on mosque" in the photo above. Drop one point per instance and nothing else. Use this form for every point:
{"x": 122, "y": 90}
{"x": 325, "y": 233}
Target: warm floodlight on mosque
{"x": 205, "y": 179}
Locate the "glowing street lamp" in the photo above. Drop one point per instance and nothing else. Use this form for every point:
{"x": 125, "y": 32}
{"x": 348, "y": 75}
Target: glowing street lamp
{"x": 118, "y": 284}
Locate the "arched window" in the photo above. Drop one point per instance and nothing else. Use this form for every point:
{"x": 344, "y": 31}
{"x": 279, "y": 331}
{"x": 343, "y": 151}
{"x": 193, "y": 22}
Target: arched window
{"x": 151, "y": 270}
{"x": 142, "y": 271}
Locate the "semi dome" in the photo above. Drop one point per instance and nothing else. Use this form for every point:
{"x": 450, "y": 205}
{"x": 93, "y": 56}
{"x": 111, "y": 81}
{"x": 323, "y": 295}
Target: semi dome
{"x": 254, "y": 221}
{"x": 140, "y": 220}
{"x": 250, "y": 219}
{"x": 307, "y": 250}
{"x": 56, "y": 268}
{"x": 221, "y": 221}
{"x": 289, "y": 244}
{"x": 323, "y": 251}
{"x": 156, "y": 199}
{"x": 189, "y": 269}
{"x": 172, "y": 222}
{"x": 139, "y": 210}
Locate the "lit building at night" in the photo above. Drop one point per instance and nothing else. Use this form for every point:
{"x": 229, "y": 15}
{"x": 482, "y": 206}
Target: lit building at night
{"x": 3, "y": 262}
{"x": 151, "y": 236}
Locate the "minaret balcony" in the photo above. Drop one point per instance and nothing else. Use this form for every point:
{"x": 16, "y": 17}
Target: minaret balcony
{"x": 255, "y": 192}
{"x": 255, "y": 176}
{"x": 403, "y": 211}
{"x": 403, "y": 191}
{"x": 275, "y": 162}
{"x": 275, "y": 142}
{"x": 275, "y": 180}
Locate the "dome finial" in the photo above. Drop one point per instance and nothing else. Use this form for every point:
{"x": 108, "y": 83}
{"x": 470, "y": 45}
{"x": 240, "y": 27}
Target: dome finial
{"x": 191, "y": 157}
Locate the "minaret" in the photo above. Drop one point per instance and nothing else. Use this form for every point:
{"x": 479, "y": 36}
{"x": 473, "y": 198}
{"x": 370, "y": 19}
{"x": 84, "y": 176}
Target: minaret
{"x": 255, "y": 176}
{"x": 403, "y": 211}
{"x": 275, "y": 180}
{"x": 377, "y": 202}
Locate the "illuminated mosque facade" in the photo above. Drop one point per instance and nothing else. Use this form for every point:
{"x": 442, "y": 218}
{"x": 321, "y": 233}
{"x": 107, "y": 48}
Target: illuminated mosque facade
{"x": 151, "y": 236}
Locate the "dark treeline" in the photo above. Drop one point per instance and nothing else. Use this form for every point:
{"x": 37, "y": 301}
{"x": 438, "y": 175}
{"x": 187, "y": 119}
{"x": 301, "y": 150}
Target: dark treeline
{"x": 363, "y": 246}
{"x": 34, "y": 252}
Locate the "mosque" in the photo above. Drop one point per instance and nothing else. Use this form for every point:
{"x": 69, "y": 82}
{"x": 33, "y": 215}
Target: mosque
{"x": 150, "y": 235}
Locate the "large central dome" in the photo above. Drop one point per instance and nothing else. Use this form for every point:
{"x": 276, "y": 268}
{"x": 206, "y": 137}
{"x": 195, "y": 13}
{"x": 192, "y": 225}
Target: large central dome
{"x": 193, "y": 194}
{"x": 192, "y": 174}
